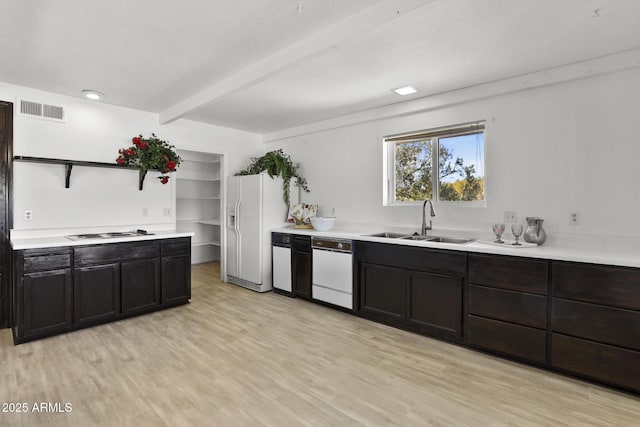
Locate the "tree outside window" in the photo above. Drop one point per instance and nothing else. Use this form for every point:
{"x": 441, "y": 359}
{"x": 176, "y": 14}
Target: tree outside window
{"x": 455, "y": 177}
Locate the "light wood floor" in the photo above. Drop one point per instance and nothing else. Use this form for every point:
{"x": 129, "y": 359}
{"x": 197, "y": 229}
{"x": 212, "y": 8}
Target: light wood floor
{"x": 236, "y": 357}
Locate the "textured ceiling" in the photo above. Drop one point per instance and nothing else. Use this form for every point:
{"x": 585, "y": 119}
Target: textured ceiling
{"x": 268, "y": 65}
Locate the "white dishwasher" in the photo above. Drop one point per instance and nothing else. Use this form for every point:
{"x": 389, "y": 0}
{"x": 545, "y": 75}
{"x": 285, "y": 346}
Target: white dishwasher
{"x": 332, "y": 272}
{"x": 281, "y": 263}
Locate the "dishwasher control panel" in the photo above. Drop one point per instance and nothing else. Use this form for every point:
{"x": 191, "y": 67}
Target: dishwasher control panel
{"x": 340, "y": 245}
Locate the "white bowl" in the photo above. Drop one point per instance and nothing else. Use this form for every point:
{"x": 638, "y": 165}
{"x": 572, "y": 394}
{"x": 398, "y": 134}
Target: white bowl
{"x": 322, "y": 223}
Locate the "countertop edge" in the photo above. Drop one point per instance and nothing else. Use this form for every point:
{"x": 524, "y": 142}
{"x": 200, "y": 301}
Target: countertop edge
{"x": 61, "y": 241}
{"x": 557, "y": 253}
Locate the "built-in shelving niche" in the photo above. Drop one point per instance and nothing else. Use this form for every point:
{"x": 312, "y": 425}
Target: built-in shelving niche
{"x": 199, "y": 203}
{"x": 69, "y": 164}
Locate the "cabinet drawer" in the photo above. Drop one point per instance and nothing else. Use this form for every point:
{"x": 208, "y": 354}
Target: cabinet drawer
{"x": 419, "y": 259}
{"x": 517, "y": 307}
{"x": 114, "y": 252}
{"x": 302, "y": 243}
{"x": 505, "y": 272}
{"x": 507, "y": 338}
{"x": 176, "y": 247}
{"x": 611, "y": 365}
{"x": 616, "y": 286}
{"x": 46, "y": 261}
{"x": 596, "y": 322}
{"x": 281, "y": 239}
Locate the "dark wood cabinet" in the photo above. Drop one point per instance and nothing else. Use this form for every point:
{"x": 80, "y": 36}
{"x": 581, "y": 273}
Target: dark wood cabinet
{"x": 434, "y": 304}
{"x": 96, "y": 294}
{"x": 382, "y": 293}
{"x": 508, "y": 339}
{"x": 176, "y": 272}
{"x": 6, "y": 213}
{"x": 140, "y": 286}
{"x": 507, "y": 306}
{"x": 301, "y": 266}
{"x": 509, "y": 272}
{"x": 417, "y": 289}
{"x": 47, "y": 303}
{"x": 116, "y": 280}
{"x": 43, "y": 293}
{"x": 61, "y": 289}
{"x": 575, "y": 318}
{"x": 612, "y": 365}
{"x": 595, "y": 322}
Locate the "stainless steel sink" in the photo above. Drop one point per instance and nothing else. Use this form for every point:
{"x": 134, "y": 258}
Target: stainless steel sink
{"x": 438, "y": 239}
{"x": 418, "y": 237}
{"x": 443, "y": 239}
{"x": 388, "y": 235}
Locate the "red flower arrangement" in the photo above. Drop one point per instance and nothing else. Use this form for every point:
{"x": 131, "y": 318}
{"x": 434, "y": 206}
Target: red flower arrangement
{"x": 150, "y": 153}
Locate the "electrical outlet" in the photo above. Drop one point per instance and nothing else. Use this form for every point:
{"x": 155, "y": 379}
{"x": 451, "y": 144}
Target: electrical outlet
{"x": 166, "y": 211}
{"x": 574, "y": 217}
{"x": 145, "y": 211}
{"x": 510, "y": 216}
{"x": 333, "y": 211}
{"x": 28, "y": 215}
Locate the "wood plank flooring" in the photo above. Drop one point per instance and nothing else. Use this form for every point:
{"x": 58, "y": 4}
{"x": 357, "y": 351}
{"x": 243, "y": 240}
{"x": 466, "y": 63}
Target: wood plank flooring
{"x": 234, "y": 357}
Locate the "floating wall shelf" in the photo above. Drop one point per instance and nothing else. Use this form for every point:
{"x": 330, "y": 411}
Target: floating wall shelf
{"x": 69, "y": 164}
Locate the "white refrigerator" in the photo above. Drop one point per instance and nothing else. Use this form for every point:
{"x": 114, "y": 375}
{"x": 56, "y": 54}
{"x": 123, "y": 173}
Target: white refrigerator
{"x": 254, "y": 208}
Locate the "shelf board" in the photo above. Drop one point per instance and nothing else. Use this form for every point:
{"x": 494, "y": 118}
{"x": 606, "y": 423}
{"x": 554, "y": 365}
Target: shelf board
{"x": 210, "y": 243}
{"x": 197, "y": 198}
{"x": 69, "y": 164}
{"x": 213, "y": 161}
{"x": 186, "y": 221}
{"x": 209, "y": 221}
{"x": 198, "y": 179}
{"x": 199, "y": 221}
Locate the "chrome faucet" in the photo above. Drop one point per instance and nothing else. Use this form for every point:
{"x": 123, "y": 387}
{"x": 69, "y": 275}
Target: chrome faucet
{"x": 424, "y": 229}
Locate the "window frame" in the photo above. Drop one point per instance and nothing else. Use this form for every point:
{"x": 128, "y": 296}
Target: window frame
{"x": 434, "y": 135}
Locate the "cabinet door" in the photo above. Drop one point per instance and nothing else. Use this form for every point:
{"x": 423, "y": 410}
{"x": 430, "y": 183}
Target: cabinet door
{"x": 301, "y": 263}
{"x": 382, "y": 293}
{"x": 140, "y": 286}
{"x": 176, "y": 279}
{"x": 434, "y": 304}
{"x": 97, "y": 294}
{"x": 281, "y": 268}
{"x": 47, "y": 302}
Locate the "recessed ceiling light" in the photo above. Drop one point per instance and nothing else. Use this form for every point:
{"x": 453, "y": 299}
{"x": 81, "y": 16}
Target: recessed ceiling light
{"x": 405, "y": 90}
{"x": 92, "y": 94}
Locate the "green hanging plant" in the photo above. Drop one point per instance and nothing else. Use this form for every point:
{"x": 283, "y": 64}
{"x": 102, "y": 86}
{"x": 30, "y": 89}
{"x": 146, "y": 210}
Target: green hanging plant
{"x": 150, "y": 153}
{"x": 277, "y": 163}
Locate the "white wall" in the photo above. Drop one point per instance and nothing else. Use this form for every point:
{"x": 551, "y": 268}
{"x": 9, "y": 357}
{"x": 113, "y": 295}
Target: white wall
{"x": 549, "y": 150}
{"x": 95, "y": 131}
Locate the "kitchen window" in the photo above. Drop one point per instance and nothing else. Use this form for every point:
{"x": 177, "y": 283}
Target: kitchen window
{"x": 455, "y": 176}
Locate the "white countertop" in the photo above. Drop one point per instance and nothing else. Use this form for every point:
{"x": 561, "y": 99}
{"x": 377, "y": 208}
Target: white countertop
{"x": 55, "y": 239}
{"x": 620, "y": 252}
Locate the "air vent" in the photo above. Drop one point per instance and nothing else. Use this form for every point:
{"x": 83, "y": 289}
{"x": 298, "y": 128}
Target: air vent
{"x": 43, "y": 111}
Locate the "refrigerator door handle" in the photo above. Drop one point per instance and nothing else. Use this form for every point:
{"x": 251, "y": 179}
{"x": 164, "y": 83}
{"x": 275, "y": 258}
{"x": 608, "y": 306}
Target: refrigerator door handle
{"x": 232, "y": 220}
{"x": 238, "y": 238}
{"x": 236, "y": 217}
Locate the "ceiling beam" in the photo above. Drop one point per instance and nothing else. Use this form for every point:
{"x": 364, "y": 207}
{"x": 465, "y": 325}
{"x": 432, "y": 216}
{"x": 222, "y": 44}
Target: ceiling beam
{"x": 626, "y": 60}
{"x": 318, "y": 43}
